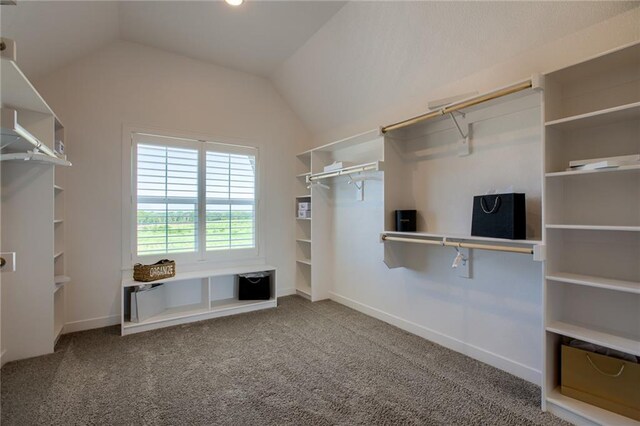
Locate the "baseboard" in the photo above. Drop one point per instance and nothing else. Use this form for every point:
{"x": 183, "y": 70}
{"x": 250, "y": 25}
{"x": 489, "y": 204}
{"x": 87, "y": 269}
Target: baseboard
{"x": 286, "y": 292}
{"x": 517, "y": 369}
{"x": 89, "y": 324}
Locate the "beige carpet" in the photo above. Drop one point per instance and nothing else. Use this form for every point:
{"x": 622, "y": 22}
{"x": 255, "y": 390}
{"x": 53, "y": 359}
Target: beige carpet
{"x": 302, "y": 363}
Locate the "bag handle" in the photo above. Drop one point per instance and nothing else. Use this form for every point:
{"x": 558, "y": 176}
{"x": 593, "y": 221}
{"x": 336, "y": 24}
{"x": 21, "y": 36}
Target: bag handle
{"x": 496, "y": 204}
{"x": 602, "y": 372}
{"x": 257, "y": 280}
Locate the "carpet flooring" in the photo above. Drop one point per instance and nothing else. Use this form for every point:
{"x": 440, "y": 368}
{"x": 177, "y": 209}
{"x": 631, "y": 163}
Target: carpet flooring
{"x": 299, "y": 364}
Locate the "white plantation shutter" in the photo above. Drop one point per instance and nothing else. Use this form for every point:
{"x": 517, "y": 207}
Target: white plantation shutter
{"x": 194, "y": 200}
{"x": 230, "y": 197}
{"x": 167, "y": 199}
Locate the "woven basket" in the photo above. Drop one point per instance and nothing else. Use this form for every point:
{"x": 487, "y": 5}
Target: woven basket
{"x": 165, "y": 268}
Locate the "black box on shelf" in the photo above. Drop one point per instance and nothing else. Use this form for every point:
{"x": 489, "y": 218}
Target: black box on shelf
{"x": 405, "y": 220}
{"x": 255, "y": 286}
{"x": 499, "y": 216}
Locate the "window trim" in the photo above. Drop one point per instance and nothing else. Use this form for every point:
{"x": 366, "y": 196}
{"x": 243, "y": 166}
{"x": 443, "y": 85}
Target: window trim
{"x": 203, "y": 143}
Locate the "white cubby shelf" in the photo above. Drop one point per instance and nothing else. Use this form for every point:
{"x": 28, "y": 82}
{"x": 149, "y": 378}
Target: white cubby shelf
{"x": 196, "y": 296}
{"x": 620, "y": 169}
{"x": 596, "y": 282}
{"x": 628, "y": 344}
{"x": 594, "y": 227}
{"x": 586, "y": 411}
{"x": 598, "y": 118}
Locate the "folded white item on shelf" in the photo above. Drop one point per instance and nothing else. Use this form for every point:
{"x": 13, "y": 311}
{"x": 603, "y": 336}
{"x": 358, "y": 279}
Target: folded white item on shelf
{"x": 337, "y": 165}
{"x": 596, "y": 163}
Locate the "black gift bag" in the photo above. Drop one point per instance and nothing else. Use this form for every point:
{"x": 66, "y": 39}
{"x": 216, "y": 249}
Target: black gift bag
{"x": 499, "y": 216}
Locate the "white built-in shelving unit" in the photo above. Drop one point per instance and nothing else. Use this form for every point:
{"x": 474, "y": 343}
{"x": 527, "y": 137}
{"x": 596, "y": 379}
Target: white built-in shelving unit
{"x": 195, "y": 296}
{"x": 303, "y": 227}
{"x": 592, "y": 227}
{"x": 33, "y": 311}
{"x": 363, "y": 158}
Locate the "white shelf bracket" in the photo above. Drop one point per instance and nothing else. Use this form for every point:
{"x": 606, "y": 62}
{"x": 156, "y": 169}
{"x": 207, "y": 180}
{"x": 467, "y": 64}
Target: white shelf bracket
{"x": 463, "y": 144}
{"x": 540, "y": 253}
{"x": 359, "y": 188}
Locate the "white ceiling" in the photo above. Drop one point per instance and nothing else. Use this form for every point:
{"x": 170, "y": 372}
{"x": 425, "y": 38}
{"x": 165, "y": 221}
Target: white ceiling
{"x": 255, "y": 37}
{"x": 50, "y": 34}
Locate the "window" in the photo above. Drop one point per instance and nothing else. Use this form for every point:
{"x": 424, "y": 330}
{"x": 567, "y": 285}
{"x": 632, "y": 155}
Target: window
{"x": 230, "y": 201}
{"x": 193, "y": 200}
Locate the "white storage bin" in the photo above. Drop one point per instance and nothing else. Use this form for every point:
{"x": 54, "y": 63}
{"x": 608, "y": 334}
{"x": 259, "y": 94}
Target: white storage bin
{"x": 147, "y": 302}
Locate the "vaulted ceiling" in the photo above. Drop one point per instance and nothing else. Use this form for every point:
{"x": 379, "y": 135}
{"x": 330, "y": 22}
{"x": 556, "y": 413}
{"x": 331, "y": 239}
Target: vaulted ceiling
{"x": 256, "y": 37}
{"x": 331, "y": 60}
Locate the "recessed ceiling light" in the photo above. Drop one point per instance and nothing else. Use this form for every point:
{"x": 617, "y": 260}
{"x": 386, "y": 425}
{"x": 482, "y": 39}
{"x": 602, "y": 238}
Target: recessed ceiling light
{"x": 234, "y": 2}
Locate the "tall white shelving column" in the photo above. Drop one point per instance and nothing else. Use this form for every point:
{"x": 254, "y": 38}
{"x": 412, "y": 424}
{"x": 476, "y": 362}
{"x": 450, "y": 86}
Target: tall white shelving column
{"x": 592, "y": 278}
{"x": 303, "y": 227}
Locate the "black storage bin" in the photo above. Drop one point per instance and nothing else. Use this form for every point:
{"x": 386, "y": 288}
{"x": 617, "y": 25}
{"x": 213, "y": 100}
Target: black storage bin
{"x": 254, "y": 286}
{"x": 405, "y": 220}
{"x": 499, "y": 216}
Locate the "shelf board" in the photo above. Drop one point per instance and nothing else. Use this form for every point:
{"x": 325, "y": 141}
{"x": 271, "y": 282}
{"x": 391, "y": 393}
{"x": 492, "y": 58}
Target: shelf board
{"x": 598, "y": 282}
{"x": 462, "y": 237}
{"x": 596, "y": 227}
{"x": 349, "y": 142}
{"x": 304, "y": 155}
{"x": 303, "y": 196}
{"x": 58, "y": 188}
{"x": 590, "y": 412}
{"x": 58, "y": 254}
{"x": 232, "y": 303}
{"x": 56, "y": 221}
{"x": 61, "y": 279}
{"x": 304, "y": 261}
{"x": 303, "y": 218}
{"x": 619, "y": 169}
{"x": 184, "y": 311}
{"x": 598, "y": 118}
{"x": 183, "y": 276}
{"x": 18, "y": 92}
{"x": 589, "y": 334}
{"x": 301, "y": 240}
{"x": 28, "y": 157}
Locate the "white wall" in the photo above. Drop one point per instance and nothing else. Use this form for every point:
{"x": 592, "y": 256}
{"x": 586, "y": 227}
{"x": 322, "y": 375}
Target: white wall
{"x": 127, "y": 83}
{"x": 347, "y": 80}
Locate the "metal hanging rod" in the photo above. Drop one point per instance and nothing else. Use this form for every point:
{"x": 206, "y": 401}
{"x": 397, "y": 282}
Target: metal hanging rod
{"x": 461, "y": 105}
{"x": 444, "y": 243}
{"x": 345, "y": 172}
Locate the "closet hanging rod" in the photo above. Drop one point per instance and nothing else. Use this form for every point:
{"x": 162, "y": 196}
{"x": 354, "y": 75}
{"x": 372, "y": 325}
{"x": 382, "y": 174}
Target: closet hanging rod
{"x": 375, "y": 166}
{"x": 446, "y": 243}
{"x": 461, "y": 105}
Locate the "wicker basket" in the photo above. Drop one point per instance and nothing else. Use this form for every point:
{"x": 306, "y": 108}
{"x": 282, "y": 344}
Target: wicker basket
{"x": 160, "y": 270}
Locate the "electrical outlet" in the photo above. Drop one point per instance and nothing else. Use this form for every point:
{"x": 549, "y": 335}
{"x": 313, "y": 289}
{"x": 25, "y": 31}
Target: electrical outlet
{"x": 8, "y": 262}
